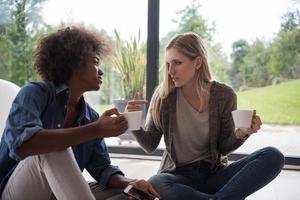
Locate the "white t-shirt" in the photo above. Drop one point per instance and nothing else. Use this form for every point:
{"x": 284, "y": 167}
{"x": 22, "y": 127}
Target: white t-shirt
{"x": 191, "y": 133}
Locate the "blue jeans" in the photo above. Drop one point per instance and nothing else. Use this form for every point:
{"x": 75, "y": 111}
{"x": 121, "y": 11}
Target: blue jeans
{"x": 235, "y": 181}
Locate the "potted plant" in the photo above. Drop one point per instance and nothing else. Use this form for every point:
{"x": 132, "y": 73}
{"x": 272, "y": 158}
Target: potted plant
{"x": 130, "y": 62}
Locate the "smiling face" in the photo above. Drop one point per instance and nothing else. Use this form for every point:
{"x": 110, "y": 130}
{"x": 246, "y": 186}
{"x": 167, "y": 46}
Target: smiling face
{"x": 181, "y": 69}
{"x": 89, "y": 76}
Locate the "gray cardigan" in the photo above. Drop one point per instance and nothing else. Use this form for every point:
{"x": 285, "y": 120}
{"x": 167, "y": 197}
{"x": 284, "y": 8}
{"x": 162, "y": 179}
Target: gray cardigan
{"x": 221, "y": 128}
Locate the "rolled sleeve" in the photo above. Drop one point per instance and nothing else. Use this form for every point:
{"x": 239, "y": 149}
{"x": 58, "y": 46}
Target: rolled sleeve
{"x": 107, "y": 173}
{"x": 24, "y": 118}
{"x": 15, "y": 142}
{"x": 99, "y": 166}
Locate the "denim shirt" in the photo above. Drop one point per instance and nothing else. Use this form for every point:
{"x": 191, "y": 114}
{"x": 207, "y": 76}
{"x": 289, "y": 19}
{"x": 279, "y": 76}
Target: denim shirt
{"x": 42, "y": 105}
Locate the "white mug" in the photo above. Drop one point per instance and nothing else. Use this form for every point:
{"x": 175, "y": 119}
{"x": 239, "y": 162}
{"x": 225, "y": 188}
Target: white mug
{"x": 134, "y": 120}
{"x": 242, "y": 118}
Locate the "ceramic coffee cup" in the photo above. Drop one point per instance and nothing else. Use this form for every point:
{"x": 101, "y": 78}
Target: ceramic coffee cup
{"x": 242, "y": 118}
{"x": 134, "y": 120}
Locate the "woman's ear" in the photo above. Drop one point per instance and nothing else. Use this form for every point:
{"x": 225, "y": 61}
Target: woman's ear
{"x": 198, "y": 62}
{"x": 79, "y": 70}
{"x": 76, "y": 74}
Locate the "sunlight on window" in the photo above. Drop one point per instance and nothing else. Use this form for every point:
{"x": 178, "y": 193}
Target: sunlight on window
{"x": 251, "y": 46}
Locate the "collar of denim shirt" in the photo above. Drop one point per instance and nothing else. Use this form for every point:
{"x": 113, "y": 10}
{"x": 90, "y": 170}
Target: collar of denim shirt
{"x": 83, "y": 105}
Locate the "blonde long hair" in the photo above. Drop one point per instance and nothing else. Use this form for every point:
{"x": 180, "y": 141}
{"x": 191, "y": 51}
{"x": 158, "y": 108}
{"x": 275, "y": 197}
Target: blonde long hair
{"x": 191, "y": 45}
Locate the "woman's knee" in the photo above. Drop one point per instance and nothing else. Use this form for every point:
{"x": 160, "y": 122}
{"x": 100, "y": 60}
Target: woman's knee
{"x": 162, "y": 183}
{"x": 160, "y": 180}
{"x": 58, "y": 157}
{"x": 274, "y": 156}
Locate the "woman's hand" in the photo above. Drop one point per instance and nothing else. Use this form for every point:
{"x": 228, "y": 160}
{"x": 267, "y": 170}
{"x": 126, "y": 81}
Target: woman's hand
{"x": 244, "y": 133}
{"x": 145, "y": 186}
{"x": 135, "y": 104}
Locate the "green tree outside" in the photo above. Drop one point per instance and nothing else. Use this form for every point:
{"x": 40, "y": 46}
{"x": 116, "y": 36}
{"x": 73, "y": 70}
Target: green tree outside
{"x": 19, "y": 33}
{"x": 188, "y": 20}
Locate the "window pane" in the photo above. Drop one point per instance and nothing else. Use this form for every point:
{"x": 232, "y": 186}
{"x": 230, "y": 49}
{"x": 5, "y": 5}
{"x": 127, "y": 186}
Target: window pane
{"x": 127, "y": 18}
{"x": 245, "y": 42}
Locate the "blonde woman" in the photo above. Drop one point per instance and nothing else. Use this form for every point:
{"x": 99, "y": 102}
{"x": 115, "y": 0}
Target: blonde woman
{"x": 193, "y": 115}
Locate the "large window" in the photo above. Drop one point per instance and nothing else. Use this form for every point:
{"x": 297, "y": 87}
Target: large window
{"x": 24, "y": 22}
{"x": 245, "y": 42}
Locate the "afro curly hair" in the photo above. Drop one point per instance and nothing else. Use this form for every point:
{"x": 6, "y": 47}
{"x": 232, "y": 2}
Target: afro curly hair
{"x": 58, "y": 54}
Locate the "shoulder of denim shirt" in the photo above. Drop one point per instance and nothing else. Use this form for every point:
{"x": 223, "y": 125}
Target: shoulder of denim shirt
{"x": 45, "y": 86}
{"x": 48, "y": 86}
{"x": 38, "y": 85}
{"x": 35, "y": 88}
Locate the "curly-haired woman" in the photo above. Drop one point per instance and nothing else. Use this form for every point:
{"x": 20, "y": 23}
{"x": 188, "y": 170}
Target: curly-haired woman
{"x": 52, "y": 134}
